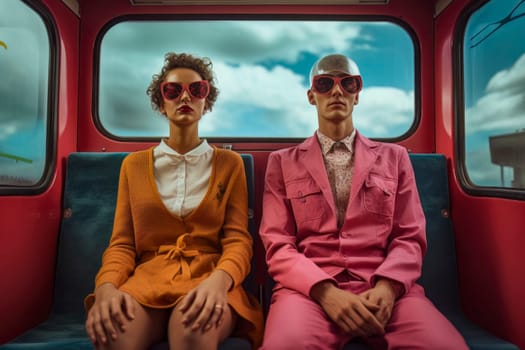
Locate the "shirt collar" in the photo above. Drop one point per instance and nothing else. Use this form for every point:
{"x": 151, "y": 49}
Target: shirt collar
{"x": 201, "y": 149}
{"x": 327, "y": 143}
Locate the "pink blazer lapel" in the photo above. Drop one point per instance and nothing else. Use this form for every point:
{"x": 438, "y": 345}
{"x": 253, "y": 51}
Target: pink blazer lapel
{"x": 364, "y": 159}
{"x": 312, "y": 159}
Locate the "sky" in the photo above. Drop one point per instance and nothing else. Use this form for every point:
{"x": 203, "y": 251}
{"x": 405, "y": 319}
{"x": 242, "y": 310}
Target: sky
{"x": 262, "y": 71}
{"x": 494, "y": 85}
{"x": 24, "y": 67}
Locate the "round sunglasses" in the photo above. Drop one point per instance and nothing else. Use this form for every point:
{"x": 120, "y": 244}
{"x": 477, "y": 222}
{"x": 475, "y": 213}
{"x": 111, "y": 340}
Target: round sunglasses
{"x": 198, "y": 89}
{"x": 323, "y": 84}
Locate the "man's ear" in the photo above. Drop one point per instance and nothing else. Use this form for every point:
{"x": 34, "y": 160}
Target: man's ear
{"x": 311, "y": 97}
{"x": 356, "y": 101}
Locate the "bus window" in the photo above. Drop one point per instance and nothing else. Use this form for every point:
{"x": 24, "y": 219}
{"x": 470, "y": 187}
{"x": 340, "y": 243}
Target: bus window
{"x": 494, "y": 95}
{"x": 24, "y": 72}
{"x": 262, "y": 74}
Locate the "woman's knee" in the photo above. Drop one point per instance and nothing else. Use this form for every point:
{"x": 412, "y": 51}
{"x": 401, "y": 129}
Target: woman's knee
{"x": 182, "y": 335}
{"x": 146, "y": 328}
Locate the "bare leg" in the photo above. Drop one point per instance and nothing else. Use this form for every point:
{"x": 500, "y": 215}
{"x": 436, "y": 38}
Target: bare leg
{"x": 182, "y": 337}
{"x": 147, "y": 328}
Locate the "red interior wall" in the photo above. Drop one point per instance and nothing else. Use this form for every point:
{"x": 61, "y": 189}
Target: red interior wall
{"x": 490, "y": 242}
{"x": 97, "y": 13}
{"x": 29, "y": 224}
{"x": 489, "y": 231}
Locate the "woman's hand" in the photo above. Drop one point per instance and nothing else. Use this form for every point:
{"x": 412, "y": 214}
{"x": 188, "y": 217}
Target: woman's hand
{"x": 203, "y": 307}
{"x": 110, "y": 313}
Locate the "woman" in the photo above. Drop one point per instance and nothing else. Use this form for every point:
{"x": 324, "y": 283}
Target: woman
{"x": 180, "y": 246}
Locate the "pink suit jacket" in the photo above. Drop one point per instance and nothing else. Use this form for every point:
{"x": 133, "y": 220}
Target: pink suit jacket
{"x": 383, "y": 233}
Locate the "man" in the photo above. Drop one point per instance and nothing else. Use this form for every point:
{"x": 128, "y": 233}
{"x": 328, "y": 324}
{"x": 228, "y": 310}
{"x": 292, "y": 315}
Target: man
{"x": 344, "y": 234}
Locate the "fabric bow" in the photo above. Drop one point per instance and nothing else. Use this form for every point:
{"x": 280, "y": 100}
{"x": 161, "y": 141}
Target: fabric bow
{"x": 178, "y": 251}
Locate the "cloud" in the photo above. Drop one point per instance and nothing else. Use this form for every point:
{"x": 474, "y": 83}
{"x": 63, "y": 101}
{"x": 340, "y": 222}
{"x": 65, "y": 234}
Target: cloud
{"x": 281, "y": 94}
{"x": 124, "y": 107}
{"x": 276, "y": 95}
{"x": 384, "y": 109}
{"x": 7, "y": 130}
{"x": 23, "y": 70}
{"x": 262, "y": 98}
{"x": 502, "y": 108}
{"x": 481, "y": 171}
{"x": 277, "y": 91}
{"x": 233, "y": 41}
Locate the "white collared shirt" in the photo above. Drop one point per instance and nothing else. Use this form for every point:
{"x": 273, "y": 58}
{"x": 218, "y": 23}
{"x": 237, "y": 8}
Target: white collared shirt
{"x": 182, "y": 179}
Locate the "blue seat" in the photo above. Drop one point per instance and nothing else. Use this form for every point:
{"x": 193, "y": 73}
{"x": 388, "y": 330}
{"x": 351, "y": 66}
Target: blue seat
{"x": 439, "y": 276}
{"x": 88, "y": 206}
{"x": 89, "y": 202}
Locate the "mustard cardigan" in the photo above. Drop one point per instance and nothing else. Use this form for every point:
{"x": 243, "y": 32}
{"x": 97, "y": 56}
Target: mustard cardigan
{"x": 157, "y": 257}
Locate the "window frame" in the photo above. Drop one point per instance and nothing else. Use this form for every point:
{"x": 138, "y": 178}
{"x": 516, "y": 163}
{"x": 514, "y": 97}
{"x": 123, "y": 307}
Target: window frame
{"x": 52, "y": 107}
{"x": 253, "y": 17}
{"x": 459, "y": 137}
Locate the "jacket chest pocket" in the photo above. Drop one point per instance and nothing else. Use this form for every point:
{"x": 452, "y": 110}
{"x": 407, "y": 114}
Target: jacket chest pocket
{"x": 379, "y": 195}
{"x": 306, "y": 199}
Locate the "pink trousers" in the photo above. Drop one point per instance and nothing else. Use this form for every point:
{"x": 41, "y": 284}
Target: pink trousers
{"x": 297, "y": 322}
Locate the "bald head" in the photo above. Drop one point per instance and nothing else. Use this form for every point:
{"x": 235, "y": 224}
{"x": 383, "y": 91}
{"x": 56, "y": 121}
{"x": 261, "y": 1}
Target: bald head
{"x": 334, "y": 64}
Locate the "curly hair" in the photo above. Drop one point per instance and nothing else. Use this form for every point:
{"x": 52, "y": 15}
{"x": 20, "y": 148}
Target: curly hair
{"x": 202, "y": 66}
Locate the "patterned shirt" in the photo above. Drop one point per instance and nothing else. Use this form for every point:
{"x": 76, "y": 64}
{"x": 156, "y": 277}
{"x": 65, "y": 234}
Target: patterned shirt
{"x": 339, "y": 164}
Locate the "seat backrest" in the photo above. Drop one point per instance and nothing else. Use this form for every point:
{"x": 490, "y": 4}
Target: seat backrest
{"x": 439, "y": 276}
{"x": 88, "y": 208}
{"x": 90, "y": 194}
